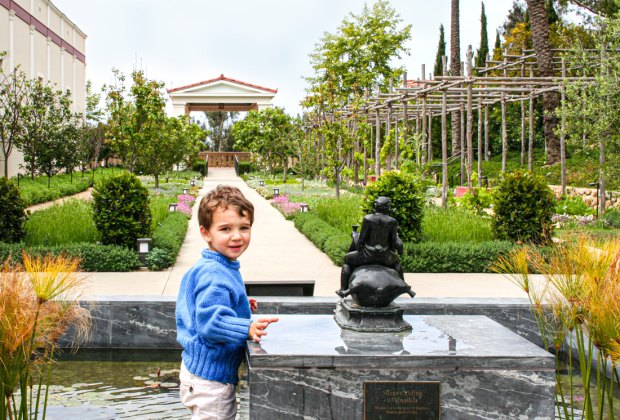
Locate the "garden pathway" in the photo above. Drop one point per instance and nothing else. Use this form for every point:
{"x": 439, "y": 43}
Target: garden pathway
{"x": 84, "y": 195}
{"x": 279, "y": 252}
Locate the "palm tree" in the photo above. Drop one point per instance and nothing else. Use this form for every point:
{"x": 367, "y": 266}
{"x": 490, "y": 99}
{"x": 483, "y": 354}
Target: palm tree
{"x": 455, "y": 70}
{"x": 551, "y": 100}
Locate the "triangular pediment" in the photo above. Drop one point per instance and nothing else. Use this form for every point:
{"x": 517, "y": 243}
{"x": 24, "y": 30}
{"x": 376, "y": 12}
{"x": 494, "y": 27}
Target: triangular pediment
{"x": 222, "y": 86}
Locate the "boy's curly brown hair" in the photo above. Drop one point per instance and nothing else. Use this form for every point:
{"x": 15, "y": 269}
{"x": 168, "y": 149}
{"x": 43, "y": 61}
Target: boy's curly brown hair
{"x": 224, "y": 196}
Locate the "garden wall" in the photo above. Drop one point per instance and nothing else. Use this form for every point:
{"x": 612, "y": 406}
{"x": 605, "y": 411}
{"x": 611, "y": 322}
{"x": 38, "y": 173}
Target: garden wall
{"x": 589, "y": 196}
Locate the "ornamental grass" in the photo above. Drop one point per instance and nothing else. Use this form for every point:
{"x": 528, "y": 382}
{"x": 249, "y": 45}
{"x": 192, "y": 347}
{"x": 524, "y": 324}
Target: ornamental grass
{"x": 578, "y": 305}
{"x": 38, "y": 304}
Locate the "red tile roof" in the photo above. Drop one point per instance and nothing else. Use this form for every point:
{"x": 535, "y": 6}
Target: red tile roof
{"x": 414, "y": 83}
{"x": 224, "y": 78}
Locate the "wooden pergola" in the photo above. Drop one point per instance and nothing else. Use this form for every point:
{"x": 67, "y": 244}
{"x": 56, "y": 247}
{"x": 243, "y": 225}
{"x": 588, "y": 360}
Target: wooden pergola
{"x": 513, "y": 80}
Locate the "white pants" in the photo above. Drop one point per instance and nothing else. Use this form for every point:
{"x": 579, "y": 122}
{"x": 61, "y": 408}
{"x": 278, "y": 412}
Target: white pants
{"x": 207, "y": 400}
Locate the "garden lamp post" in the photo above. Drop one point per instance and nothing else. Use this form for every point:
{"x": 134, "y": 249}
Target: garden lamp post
{"x": 172, "y": 206}
{"x": 192, "y": 182}
{"x": 304, "y": 207}
{"x": 185, "y": 190}
{"x": 261, "y": 183}
{"x": 144, "y": 246}
{"x": 276, "y": 192}
{"x": 598, "y": 199}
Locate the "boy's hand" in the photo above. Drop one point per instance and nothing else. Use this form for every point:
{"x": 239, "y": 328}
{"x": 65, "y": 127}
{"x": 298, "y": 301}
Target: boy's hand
{"x": 257, "y": 328}
{"x": 253, "y": 304}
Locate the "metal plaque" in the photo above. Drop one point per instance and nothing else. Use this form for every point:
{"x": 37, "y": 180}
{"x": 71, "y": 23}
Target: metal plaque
{"x": 402, "y": 400}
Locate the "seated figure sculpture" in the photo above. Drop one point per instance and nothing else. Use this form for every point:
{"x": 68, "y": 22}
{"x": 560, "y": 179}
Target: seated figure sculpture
{"x": 376, "y": 244}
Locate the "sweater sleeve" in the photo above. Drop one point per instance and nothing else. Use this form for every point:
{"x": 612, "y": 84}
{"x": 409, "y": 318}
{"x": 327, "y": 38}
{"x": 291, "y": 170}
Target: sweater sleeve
{"x": 215, "y": 320}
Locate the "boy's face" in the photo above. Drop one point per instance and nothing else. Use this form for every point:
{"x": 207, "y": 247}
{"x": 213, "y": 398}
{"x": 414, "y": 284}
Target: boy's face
{"x": 229, "y": 233}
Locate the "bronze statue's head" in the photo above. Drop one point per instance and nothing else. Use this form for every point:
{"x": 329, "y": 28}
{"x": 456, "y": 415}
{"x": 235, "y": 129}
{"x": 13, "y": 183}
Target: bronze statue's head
{"x": 382, "y": 205}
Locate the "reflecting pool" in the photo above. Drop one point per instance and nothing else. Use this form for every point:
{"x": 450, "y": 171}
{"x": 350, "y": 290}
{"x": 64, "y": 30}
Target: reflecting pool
{"x": 140, "y": 384}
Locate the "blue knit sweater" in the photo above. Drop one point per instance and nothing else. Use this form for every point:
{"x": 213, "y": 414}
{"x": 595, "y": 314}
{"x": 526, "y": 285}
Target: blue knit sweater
{"x": 213, "y": 318}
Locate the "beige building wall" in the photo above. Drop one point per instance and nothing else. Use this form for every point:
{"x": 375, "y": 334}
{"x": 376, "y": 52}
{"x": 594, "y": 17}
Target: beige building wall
{"x": 46, "y": 45}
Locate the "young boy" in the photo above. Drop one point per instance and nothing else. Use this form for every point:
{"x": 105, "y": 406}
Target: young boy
{"x": 213, "y": 312}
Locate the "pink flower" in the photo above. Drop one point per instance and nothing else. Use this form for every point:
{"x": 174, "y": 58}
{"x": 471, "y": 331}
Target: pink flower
{"x": 184, "y": 208}
{"x": 281, "y": 199}
{"x": 186, "y": 199}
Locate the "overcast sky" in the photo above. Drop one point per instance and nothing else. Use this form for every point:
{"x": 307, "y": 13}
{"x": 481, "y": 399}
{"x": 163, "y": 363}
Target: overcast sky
{"x": 260, "y": 42}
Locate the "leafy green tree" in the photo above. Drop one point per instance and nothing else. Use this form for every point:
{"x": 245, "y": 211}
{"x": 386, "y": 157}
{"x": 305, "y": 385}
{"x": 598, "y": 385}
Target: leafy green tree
{"x": 13, "y": 98}
{"x": 441, "y": 52}
{"x": 169, "y": 146}
{"x": 348, "y": 65}
{"x": 483, "y": 51}
{"x": 598, "y": 7}
{"x": 337, "y": 144}
{"x": 304, "y": 148}
{"x": 46, "y": 116}
{"x": 135, "y": 120}
{"x": 350, "y": 62}
{"x": 219, "y": 129}
{"x": 591, "y": 108}
{"x": 266, "y": 133}
{"x": 455, "y": 70}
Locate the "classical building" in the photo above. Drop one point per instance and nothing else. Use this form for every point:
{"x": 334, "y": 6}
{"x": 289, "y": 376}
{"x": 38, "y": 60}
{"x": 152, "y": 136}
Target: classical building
{"x": 47, "y": 46}
{"x": 220, "y": 94}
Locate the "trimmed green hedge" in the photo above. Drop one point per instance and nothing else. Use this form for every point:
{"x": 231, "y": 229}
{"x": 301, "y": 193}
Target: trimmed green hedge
{"x": 323, "y": 235}
{"x": 169, "y": 235}
{"x": 453, "y": 257}
{"x": 94, "y": 257}
{"x": 425, "y": 257}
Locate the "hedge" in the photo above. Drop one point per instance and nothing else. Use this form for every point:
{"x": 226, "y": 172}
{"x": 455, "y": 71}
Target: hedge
{"x": 323, "y": 235}
{"x": 169, "y": 235}
{"x": 94, "y": 257}
{"x": 453, "y": 257}
{"x": 425, "y": 257}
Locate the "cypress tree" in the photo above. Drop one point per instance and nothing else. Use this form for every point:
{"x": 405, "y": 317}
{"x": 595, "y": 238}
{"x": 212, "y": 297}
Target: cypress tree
{"x": 497, "y": 49}
{"x": 441, "y": 51}
{"x": 483, "y": 51}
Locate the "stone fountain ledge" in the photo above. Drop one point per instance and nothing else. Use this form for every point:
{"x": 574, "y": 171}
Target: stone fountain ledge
{"x": 148, "y": 322}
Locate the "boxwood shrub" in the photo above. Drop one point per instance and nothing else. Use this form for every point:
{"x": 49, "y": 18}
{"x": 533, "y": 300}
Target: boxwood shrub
{"x": 425, "y": 257}
{"x": 121, "y": 210}
{"x": 323, "y": 235}
{"x": 169, "y": 235}
{"x": 94, "y": 257}
{"x": 523, "y": 206}
{"x": 406, "y": 202}
{"x": 12, "y": 211}
{"x": 453, "y": 257}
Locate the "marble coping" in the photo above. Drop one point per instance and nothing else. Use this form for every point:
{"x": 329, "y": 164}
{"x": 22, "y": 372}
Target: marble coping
{"x": 149, "y": 321}
{"x": 436, "y": 342}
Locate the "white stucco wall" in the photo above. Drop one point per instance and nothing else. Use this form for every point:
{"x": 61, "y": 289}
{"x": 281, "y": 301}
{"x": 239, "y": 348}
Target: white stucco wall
{"x": 39, "y": 57}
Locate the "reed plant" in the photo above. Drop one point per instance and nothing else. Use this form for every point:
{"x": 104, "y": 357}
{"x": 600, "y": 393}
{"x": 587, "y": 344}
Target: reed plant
{"x": 454, "y": 224}
{"x": 66, "y": 223}
{"x": 578, "y": 304}
{"x": 341, "y": 213}
{"x": 159, "y": 208}
{"x": 39, "y": 301}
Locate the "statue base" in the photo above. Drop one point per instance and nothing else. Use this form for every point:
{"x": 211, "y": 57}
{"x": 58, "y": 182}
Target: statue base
{"x": 351, "y": 316}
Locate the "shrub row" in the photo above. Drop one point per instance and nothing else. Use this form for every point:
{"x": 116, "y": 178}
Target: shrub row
{"x": 453, "y": 257}
{"x": 323, "y": 235}
{"x": 93, "y": 257}
{"x": 168, "y": 236}
{"x": 425, "y": 257}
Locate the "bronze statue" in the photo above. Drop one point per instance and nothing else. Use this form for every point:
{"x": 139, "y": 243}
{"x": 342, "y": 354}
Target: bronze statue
{"x": 376, "y": 244}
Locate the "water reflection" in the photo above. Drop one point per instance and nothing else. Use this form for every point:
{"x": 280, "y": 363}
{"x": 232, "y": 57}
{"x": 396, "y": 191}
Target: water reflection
{"x": 111, "y": 387}
{"x": 372, "y": 343}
